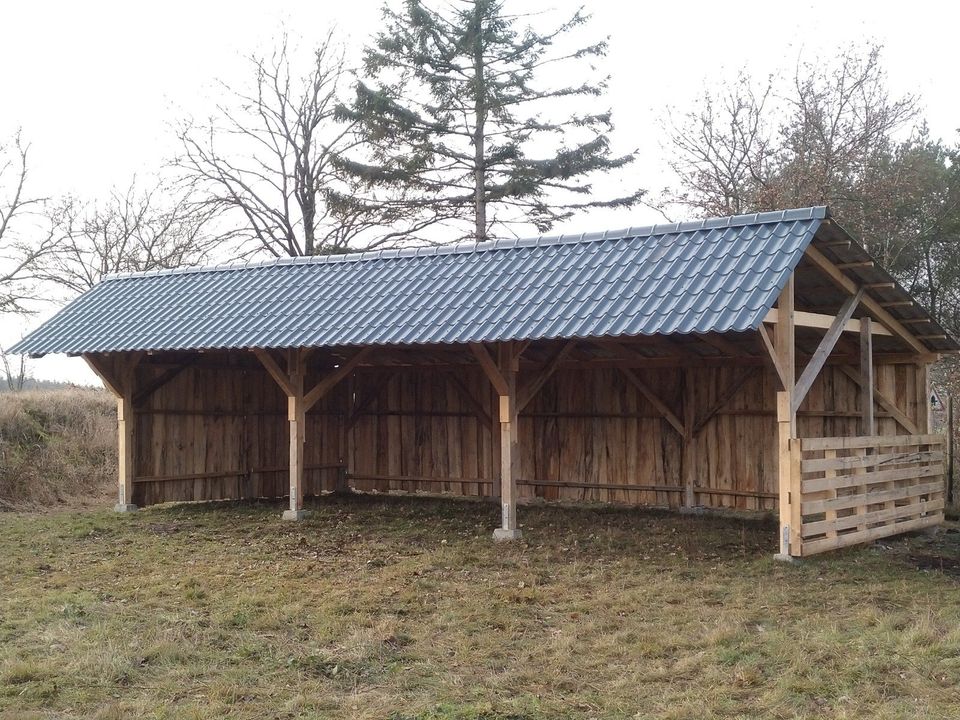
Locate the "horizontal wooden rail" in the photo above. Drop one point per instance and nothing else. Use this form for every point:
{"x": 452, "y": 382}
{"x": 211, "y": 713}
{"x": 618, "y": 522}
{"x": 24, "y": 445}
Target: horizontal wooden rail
{"x": 226, "y": 474}
{"x": 736, "y": 493}
{"x": 417, "y": 479}
{"x": 858, "y": 489}
{"x": 601, "y": 486}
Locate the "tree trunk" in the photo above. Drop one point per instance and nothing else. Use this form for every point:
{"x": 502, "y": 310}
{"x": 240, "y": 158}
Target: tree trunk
{"x": 480, "y": 112}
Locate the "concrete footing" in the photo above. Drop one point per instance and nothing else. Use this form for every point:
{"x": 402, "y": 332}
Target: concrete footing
{"x": 694, "y": 510}
{"x": 785, "y": 557}
{"x": 502, "y": 534}
{"x": 295, "y": 514}
{"x": 124, "y": 508}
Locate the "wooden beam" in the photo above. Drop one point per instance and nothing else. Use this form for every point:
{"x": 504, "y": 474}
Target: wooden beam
{"x": 788, "y": 480}
{"x": 726, "y": 396}
{"x": 819, "y": 359}
{"x": 852, "y": 265}
{"x": 924, "y": 411}
{"x": 874, "y": 306}
{"x": 772, "y": 354}
{"x": 296, "y": 417}
{"x": 895, "y": 412}
{"x": 490, "y": 368}
{"x": 654, "y": 400}
{"x": 126, "y": 434}
{"x": 454, "y": 379}
{"x": 785, "y": 344}
{"x": 722, "y": 344}
{"x": 532, "y": 387}
{"x": 158, "y": 382}
{"x": 868, "y": 421}
{"x": 822, "y": 321}
{"x": 279, "y": 376}
{"x": 509, "y": 451}
{"x": 330, "y": 381}
{"x": 898, "y": 303}
{"x": 104, "y": 369}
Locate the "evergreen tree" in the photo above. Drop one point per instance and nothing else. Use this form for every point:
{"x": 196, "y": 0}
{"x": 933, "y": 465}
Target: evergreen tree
{"x": 462, "y": 124}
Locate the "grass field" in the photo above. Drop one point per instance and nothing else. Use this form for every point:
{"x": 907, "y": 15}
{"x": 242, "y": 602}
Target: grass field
{"x": 405, "y": 608}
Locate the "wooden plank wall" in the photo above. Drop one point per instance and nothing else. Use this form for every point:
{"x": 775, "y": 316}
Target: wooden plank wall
{"x": 587, "y": 436}
{"x": 224, "y": 430}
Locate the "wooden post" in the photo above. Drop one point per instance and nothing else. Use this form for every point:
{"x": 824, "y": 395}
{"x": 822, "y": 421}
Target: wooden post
{"x": 924, "y": 411}
{"x": 119, "y": 377}
{"x": 297, "y": 416}
{"x": 126, "y": 440}
{"x": 786, "y": 425}
{"x": 868, "y": 424}
{"x": 509, "y": 456}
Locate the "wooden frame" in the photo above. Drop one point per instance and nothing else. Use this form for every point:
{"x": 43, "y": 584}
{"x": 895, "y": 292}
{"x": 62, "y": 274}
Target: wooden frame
{"x": 118, "y": 373}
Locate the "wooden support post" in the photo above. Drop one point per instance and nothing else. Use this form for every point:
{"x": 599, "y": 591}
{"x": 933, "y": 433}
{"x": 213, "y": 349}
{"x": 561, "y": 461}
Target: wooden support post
{"x": 292, "y": 382}
{"x": 789, "y": 534}
{"x": 509, "y": 456}
{"x": 119, "y": 377}
{"x": 924, "y": 411}
{"x": 126, "y": 440}
{"x": 869, "y": 423}
{"x": 784, "y": 344}
{"x": 296, "y": 416}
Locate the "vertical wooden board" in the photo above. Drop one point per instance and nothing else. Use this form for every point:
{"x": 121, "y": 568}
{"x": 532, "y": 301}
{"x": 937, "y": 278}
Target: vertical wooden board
{"x": 395, "y": 436}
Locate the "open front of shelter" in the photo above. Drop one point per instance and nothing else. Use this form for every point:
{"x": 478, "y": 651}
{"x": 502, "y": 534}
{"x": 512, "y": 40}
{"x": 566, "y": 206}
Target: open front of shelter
{"x": 761, "y": 362}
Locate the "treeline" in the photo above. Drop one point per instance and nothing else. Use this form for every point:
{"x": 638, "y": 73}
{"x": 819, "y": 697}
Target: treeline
{"x": 469, "y": 121}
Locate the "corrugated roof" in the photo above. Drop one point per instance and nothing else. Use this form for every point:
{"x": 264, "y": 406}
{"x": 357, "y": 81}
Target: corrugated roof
{"x": 716, "y": 275}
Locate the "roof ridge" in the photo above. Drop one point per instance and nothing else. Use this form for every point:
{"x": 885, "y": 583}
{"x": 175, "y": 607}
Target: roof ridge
{"x": 793, "y": 214}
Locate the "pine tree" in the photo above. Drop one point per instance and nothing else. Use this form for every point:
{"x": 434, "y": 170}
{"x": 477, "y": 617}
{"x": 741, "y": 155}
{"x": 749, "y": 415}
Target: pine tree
{"x": 453, "y": 108}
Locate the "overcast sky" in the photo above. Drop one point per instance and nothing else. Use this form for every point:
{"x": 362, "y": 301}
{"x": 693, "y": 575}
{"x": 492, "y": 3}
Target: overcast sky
{"x": 96, "y": 86}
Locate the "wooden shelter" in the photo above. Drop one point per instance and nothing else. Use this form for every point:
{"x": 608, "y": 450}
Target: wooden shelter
{"x": 760, "y": 362}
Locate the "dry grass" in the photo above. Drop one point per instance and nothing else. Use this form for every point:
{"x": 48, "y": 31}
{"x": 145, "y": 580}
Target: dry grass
{"x": 56, "y": 446}
{"x": 405, "y": 608}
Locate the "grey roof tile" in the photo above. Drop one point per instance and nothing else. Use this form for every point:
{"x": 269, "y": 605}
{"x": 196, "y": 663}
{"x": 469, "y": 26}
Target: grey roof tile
{"x": 716, "y": 275}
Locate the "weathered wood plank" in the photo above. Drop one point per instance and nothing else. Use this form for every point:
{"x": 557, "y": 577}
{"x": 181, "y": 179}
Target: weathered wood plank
{"x": 813, "y": 547}
{"x": 854, "y": 443}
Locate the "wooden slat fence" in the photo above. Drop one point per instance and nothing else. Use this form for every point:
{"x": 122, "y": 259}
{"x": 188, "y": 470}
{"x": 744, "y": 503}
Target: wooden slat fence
{"x": 858, "y": 489}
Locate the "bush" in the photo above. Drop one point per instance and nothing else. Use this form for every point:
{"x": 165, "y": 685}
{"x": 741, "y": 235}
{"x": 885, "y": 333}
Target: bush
{"x": 57, "y": 446}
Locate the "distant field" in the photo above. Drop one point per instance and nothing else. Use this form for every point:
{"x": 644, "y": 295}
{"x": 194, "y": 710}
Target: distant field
{"x": 405, "y": 608}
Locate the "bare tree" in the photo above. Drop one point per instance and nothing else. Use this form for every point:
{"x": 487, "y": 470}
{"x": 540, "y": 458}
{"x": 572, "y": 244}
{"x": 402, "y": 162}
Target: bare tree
{"x": 834, "y": 135}
{"x": 132, "y": 231}
{"x": 822, "y": 139}
{"x": 265, "y": 159}
{"x": 25, "y": 245}
{"x": 723, "y": 150}
{"x": 15, "y": 371}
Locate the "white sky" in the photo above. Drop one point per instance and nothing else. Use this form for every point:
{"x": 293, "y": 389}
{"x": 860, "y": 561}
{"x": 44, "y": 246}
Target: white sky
{"x": 95, "y": 86}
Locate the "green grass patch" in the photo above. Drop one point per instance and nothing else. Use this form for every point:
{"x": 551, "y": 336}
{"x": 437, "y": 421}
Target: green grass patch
{"x": 379, "y": 607}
